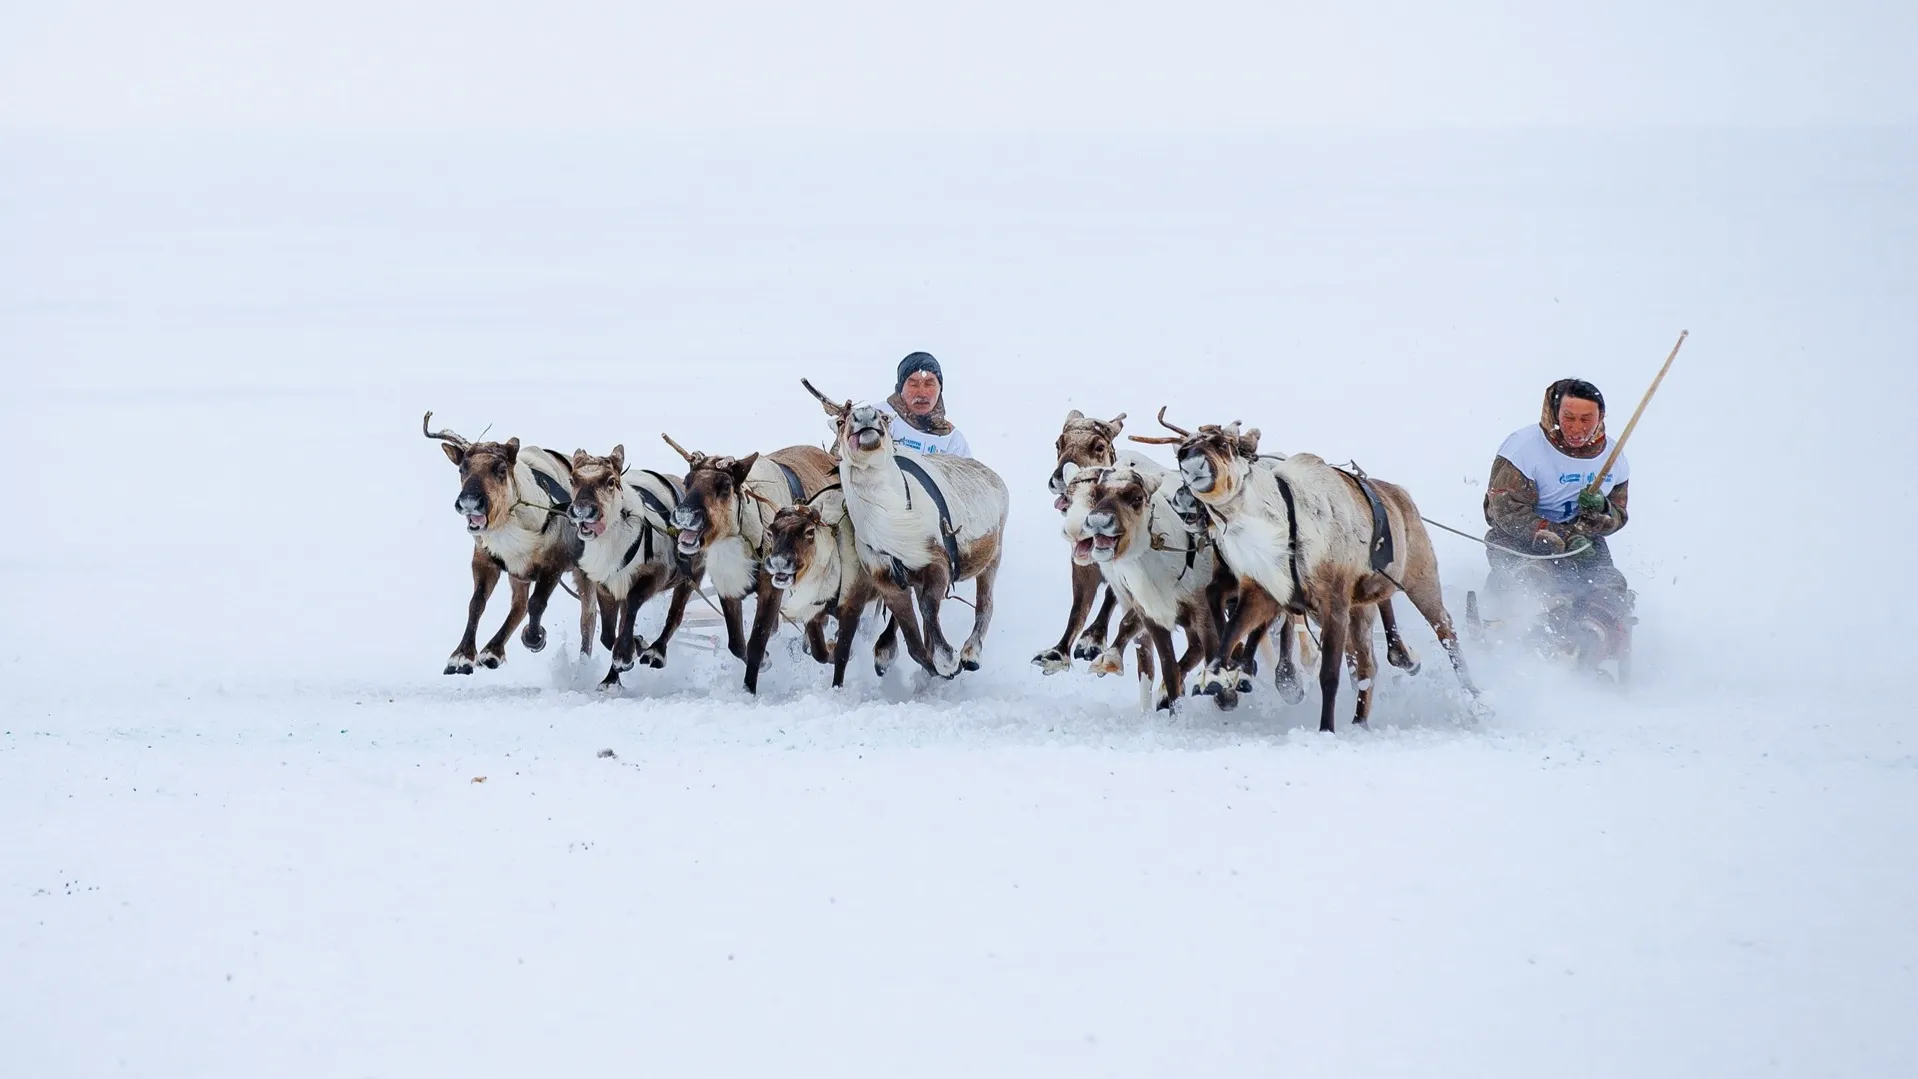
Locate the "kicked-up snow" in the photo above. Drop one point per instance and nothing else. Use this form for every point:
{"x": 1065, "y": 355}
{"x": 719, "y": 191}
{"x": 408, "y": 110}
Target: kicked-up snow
{"x": 250, "y": 828}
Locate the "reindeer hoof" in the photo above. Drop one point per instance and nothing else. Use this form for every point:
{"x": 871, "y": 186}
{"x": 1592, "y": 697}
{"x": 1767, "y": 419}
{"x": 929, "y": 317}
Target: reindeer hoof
{"x": 1087, "y": 648}
{"x": 534, "y": 638}
{"x": 1109, "y": 661}
{"x": 1227, "y": 698}
{"x": 968, "y": 664}
{"x": 610, "y": 682}
{"x": 1163, "y": 704}
{"x": 458, "y": 665}
{"x": 654, "y": 657}
{"x": 622, "y": 664}
{"x": 490, "y": 660}
{"x": 1052, "y": 661}
{"x": 1291, "y": 691}
{"x": 945, "y": 663}
{"x": 1245, "y": 682}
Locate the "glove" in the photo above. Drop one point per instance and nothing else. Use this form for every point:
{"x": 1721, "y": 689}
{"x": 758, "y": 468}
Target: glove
{"x": 1546, "y": 541}
{"x": 1589, "y": 500}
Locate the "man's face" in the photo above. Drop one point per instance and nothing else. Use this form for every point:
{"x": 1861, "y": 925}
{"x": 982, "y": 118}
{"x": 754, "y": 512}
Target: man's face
{"x": 1578, "y": 421}
{"x": 921, "y": 392}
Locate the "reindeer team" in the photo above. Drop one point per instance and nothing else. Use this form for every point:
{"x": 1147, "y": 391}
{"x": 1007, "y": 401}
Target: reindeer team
{"x": 1234, "y": 549}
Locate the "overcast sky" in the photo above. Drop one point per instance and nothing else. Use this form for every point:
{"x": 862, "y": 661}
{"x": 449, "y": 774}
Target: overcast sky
{"x": 570, "y": 64}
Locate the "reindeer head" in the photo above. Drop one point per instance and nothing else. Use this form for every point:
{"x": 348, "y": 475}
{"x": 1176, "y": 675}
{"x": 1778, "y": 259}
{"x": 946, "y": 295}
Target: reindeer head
{"x": 800, "y": 537}
{"x": 709, "y": 511}
{"x": 859, "y": 433}
{"x": 1087, "y": 443}
{"x": 1108, "y": 512}
{"x": 1213, "y": 460}
{"x": 486, "y": 477}
{"x": 596, "y": 493}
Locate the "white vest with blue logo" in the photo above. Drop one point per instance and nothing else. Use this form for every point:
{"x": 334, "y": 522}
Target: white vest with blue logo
{"x": 906, "y": 436}
{"x": 1559, "y": 477}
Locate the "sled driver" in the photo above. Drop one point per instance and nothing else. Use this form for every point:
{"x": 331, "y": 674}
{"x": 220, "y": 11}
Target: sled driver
{"x": 1536, "y": 502}
{"x": 918, "y": 405}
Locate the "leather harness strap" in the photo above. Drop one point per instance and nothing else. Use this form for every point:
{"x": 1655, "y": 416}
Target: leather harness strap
{"x": 1383, "y": 552}
{"x": 946, "y": 532}
{"x": 793, "y": 486}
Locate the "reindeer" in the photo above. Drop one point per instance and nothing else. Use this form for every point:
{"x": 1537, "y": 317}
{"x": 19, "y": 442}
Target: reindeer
{"x": 514, "y": 500}
{"x": 1088, "y": 443}
{"x": 1319, "y": 539}
{"x": 627, "y": 552}
{"x": 1121, "y": 521}
{"x": 924, "y": 524}
{"x": 722, "y": 517}
{"x": 813, "y": 560}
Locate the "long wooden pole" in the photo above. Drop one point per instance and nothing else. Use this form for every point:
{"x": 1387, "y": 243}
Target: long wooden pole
{"x": 1619, "y": 446}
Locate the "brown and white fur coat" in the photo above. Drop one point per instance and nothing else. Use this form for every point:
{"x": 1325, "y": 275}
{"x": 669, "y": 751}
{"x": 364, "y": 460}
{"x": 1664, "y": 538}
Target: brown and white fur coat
{"x": 1244, "y": 494}
{"x": 622, "y": 519}
{"x": 901, "y": 536}
{"x": 1122, "y": 522}
{"x": 813, "y": 560}
{"x": 723, "y": 516}
{"x": 518, "y": 527}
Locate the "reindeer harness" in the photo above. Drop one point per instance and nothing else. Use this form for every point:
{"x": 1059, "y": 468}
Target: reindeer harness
{"x": 946, "y": 531}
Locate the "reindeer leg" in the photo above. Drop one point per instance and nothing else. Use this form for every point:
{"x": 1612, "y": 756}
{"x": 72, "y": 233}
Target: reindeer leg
{"x": 765, "y": 622}
{"x": 1423, "y": 591}
{"x": 1364, "y": 664}
{"x": 588, "y": 610}
{"x": 1256, "y": 607}
{"x": 905, "y": 622}
{"x": 886, "y": 648}
{"x": 1093, "y": 640}
{"x": 1085, "y": 585}
{"x": 981, "y": 616}
{"x": 842, "y": 644}
{"x": 494, "y": 653}
{"x": 1396, "y": 652}
{"x": 1286, "y": 677}
{"x": 1171, "y": 675}
{"x": 932, "y": 595}
{"x": 622, "y": 650}
{"x": 535, "y": 636}
{"x": 1249, "y": 656}
{"x": 485, "y": 578}
{"x": 608, "y": 618}
{"x": 816, "y": 639}
{"x": 655, "y": 654}
{"x": 1335, "y": 616}
{"x": 731, "y": 609}
{"x": 1111, "y": 659}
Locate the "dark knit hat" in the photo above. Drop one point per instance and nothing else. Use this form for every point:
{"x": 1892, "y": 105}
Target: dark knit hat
{"x": 913, "y": 364}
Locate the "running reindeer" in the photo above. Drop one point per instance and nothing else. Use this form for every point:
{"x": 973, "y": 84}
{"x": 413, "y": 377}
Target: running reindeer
{"x": 625, "y": 533}
{"x": 514, "y": 500}
{"x": 1313, "y": 538}
{"x": 813, "y": 560}
{"x": 920, "y": 545}
{"x": 722, "y": 518}
{"x": 1087, "y": 443}
{"x": 1122, "y": 523}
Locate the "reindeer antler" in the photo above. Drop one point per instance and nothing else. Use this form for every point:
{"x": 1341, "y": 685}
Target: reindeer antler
{"x": 1155, "y": 440}
{"x": 443, "y": 436}
{"x": 1180, "y": 431}
{"x": 824, "y": 400}
{"x": 691, "y": 458}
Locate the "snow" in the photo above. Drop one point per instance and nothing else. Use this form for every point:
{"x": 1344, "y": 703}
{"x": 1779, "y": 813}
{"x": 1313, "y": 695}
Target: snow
{"x": 243, "y": 822}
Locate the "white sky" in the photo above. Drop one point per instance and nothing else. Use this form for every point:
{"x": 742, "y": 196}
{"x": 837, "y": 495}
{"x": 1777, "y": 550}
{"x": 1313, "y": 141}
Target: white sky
{"x": 572, "y": 64}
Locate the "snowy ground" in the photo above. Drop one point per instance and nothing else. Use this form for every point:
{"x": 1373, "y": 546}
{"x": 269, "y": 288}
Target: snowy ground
{"x": 243, "y": 830}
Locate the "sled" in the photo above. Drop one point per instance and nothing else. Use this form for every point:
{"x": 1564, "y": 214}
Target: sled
{"x": 1564, "y": 630}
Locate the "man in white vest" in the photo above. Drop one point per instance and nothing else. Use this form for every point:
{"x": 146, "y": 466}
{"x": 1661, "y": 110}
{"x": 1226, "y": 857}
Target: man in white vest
{"x": 1537, "y": 502}
{"x": 918, "y": 405}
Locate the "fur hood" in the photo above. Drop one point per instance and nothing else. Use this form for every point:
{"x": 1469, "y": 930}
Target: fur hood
{"x": 932, "y": 423}
{"x": 1548, "y": 422}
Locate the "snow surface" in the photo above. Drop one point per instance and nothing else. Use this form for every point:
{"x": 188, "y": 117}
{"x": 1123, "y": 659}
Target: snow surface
{"x": 243, "y": 833}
